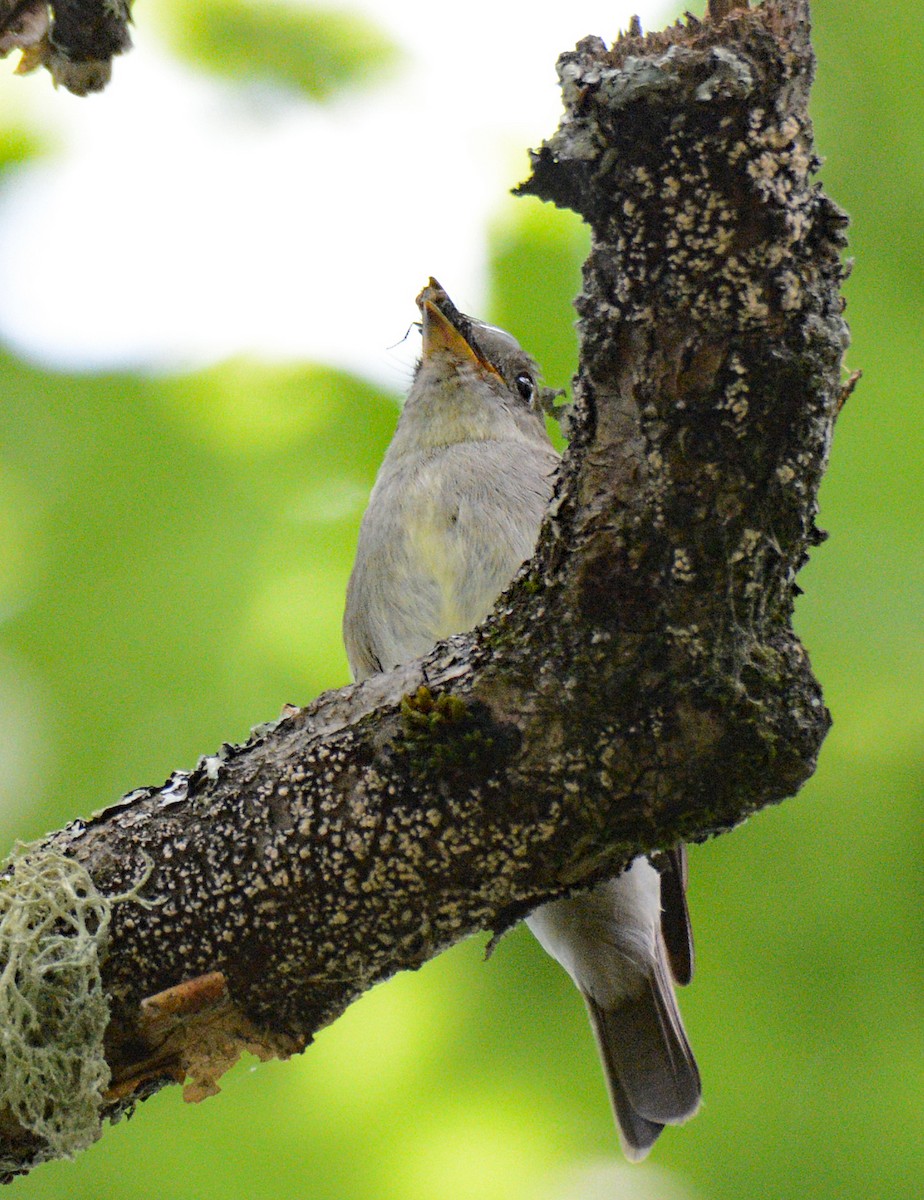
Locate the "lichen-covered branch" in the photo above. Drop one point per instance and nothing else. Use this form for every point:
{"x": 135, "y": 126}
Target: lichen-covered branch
{"x": 638, "y": 684}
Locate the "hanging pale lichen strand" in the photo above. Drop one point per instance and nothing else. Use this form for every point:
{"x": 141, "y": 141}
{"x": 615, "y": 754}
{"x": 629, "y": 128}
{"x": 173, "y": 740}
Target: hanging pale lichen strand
{"x": 53, "y": 1011}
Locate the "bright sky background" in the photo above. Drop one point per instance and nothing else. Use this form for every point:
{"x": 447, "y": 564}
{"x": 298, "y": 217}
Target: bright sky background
{"x": 215, "y": 225}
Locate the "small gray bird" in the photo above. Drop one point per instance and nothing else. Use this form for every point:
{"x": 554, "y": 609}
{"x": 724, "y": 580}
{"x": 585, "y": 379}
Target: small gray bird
{"x": 455, "y": 511}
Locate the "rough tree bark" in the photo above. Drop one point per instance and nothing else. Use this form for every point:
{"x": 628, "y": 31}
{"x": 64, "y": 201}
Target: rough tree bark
{"x": 638, "y": 684}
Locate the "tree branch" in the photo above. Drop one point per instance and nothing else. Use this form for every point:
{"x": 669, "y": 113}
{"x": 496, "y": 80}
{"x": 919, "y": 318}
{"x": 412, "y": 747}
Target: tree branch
{"x": 638, "y": 684}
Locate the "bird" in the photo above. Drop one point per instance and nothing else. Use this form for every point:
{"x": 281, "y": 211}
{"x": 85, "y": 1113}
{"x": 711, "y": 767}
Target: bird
{"x": 455, "y": 510}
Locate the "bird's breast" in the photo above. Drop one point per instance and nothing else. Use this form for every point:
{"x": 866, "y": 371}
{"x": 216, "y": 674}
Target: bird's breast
{"x": 446, "y": 535}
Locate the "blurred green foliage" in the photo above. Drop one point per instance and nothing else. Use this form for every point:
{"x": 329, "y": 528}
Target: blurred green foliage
{"x": 176, "y": 545}
{"x": 175, "y": 553}
{"x": 20, "y": 142}
{"x": 312, "y": 50}
{"x": 17, "y": 145}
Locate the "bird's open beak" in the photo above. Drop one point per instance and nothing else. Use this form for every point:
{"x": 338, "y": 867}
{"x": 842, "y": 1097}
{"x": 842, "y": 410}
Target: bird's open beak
{"x": 440, "y": 334}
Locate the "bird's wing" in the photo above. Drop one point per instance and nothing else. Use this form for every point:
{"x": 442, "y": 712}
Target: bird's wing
{"x": 675, "y": 916}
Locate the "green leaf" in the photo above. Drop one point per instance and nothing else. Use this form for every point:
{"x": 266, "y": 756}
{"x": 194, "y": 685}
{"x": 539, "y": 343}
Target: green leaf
{"x": 536, "y": 253}
{"x": 17, "y": 145}
{"x": 314, "y": 51}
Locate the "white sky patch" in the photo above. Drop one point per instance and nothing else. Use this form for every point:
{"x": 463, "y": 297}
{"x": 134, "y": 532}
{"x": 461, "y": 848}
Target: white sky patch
{"x": 182, "y": 222}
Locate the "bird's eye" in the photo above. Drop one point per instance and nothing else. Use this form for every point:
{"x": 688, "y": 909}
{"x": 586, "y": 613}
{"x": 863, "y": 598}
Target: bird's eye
{"x": 525, "y": 386}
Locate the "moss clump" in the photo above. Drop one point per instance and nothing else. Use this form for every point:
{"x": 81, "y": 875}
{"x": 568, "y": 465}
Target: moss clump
{"x": 444, "y": 733}
{"x": 53, "y": 1010}
{"x": 425, "y": 713}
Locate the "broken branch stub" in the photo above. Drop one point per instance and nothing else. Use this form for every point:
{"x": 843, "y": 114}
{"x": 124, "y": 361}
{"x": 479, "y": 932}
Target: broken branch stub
{"x": 75, "y": 40}
{"x": 712, "y": 339}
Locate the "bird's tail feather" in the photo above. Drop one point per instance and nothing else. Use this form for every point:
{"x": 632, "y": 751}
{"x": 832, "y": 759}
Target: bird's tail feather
{"x": 650, "y": 1070}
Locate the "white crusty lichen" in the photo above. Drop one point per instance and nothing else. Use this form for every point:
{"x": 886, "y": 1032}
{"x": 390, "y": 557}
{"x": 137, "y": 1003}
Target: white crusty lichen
{"x": 54, "y": 926}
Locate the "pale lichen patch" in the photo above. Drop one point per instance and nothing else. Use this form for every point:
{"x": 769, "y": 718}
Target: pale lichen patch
{"x": 54, "y": 930}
